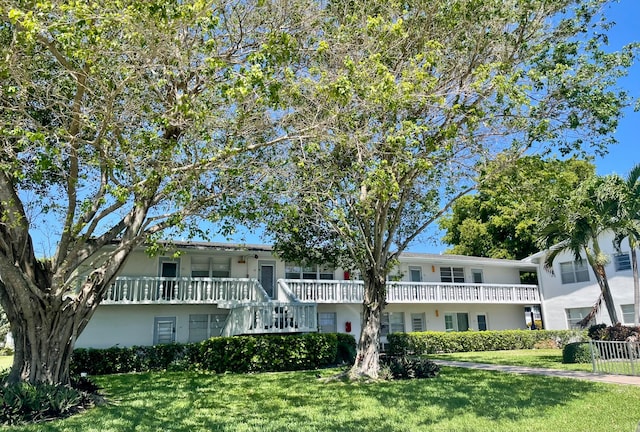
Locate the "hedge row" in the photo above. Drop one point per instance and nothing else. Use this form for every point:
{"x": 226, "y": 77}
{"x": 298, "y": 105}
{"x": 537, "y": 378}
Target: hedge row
{"x": 222, "y": 354}
{"x": 432, "y": 342}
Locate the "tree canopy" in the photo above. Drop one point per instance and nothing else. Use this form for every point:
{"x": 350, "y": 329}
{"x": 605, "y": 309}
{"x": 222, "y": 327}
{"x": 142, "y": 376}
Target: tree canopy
{"x": 415, "y": 100}
{"x": 502, "y": 219}
{"x": 120, "y": 120}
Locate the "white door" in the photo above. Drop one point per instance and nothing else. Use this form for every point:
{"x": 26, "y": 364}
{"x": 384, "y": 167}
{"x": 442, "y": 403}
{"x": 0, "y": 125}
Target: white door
{"x": 267, "y": 278}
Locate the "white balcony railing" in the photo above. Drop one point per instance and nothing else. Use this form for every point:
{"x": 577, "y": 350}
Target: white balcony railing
{"x": 271, "y": 317}
{"x": 335, "y": 291}
{"x": 183, "y": 290}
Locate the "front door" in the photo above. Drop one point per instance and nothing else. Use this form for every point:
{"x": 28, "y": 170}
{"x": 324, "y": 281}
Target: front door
{"x": 267, "y": 278}
{"x": 168, "y": 273}
{"x": 164, "y": 330}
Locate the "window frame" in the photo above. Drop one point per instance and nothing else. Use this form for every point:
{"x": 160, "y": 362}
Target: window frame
{"x": 576, "y": 271}
{"x": 625, "y": 264}
{"x": 455, "y": 274}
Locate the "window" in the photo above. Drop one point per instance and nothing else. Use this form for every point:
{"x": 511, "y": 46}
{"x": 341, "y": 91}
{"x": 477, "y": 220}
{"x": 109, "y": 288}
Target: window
{"x": 327, "y": 322}
{"x": 622, "y": 261}
{"x": 415, "y": 273}
{"x": 309, "y": 272}
{"x": 205, "y": 326}
{"x": 417, "y": 323}
{"x": 574, "y": 271}
{"x": 575, "y": 315}
{"x": 458, "y": 321}
{"x": 482, "y": 322}
{"x": 392, "y": 322}
{"x": 452, "y": 274}
{"x": 476, "y": 276}
{"x": 628, "y": 316}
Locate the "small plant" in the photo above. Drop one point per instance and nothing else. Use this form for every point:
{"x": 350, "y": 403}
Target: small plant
{"x": 576, "y": 352}
{"x": 402, "y": 367}
{"x": 30, "y": 403}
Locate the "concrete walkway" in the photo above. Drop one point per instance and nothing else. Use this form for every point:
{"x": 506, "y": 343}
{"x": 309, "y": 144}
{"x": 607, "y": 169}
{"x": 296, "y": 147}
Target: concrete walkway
{"x": 587, "y": 376}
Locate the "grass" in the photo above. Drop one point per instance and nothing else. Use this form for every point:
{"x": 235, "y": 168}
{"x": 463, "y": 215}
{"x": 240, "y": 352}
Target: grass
{"x": 456, "y": 400}
{"x": 544, "y": 358}
{"x": 5, "y": 362}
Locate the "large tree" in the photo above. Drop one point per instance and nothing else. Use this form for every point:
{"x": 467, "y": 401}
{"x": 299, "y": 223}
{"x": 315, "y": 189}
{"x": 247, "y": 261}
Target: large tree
{"x": 415, "y": 98}
{"x": 120, "y": 120}
{"x": 576, "y": 227}
{"x": 501, "y": 220}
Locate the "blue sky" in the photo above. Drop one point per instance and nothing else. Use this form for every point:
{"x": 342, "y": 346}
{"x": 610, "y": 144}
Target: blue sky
{"x": 622, "y": 157}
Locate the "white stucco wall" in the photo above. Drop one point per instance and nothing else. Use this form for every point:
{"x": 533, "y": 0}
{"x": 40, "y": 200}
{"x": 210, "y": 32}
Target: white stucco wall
{"x": 558, "y": 297}
{"x": 127, "y": 325}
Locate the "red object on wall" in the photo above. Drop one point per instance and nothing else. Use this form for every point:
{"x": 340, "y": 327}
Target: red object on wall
{"x": 347, "y": 275}
{"x": 347, "y": 326}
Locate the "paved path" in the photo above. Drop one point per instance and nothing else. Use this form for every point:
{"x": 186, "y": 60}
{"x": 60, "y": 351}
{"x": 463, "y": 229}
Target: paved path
{"x": 588, "y": 376}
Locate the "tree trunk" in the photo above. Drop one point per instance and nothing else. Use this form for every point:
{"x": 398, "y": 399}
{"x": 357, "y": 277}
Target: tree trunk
{"x": 601, "y": 277}
{"x": 44, "y": 340}
{"x": 367, "y": 363}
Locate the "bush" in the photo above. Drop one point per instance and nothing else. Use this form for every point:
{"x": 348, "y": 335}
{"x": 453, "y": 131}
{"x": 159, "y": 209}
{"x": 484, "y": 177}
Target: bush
{"x": 402, "y": 367}
{"x": 222, "y": 354}
{"x": 30, "y": 403}
{"x": 576, "y": 352}
{"x": 432, "y": 342}
{"x": 616, "y": 332}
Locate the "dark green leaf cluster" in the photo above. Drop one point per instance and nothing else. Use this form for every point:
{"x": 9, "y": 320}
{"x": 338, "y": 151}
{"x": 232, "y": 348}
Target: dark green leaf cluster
{"x": 404, "y": 367}
{"x": 32, "y": 403}
{"x": 576, "y": 352}
{"x": 502, "y": 219}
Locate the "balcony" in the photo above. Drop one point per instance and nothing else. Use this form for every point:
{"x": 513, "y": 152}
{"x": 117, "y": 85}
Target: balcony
{"x": 183, "y": 290}
{"x": 232, "y": 292}
{"x": 271, "y": 317}
{"x": 335, "y": 291}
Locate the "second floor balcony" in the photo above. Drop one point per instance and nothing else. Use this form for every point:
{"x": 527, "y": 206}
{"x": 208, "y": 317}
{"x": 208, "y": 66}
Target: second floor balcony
{"x": 333, "y": 291}
{"x": 232, "y": 291}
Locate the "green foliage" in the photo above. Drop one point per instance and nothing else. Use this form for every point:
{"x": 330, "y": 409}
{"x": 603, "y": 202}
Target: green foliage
{"x": 346, "y": 348}
{"x": 616, "y": 332}
{"x": 576, "y": 352}
{"x": 132, "y": 359}
{"x": 30, "y": 403}
{"x": 447, "y": 342}
{"x": 221, "y": 354}
{"x": 269, "y": 352}
{"x": 502, "y": 219}
{"x": 404, "y": 367}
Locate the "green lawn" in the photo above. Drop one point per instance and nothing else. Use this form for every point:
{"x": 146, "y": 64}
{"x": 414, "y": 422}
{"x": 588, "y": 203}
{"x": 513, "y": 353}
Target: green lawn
{"x": 457, "y": 400}
{"x": 5, "y": 362}
{"x": 544, "y": 358}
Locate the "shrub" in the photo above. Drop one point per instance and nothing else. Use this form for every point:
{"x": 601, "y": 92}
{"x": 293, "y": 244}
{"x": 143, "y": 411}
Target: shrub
{"x": 432, "y": 342}
{"x": 222, "y": 354}
{"x": 597, "y": 331}
{"x": 29, "y": 403}
{"x": 403, "y": 367}
{"x": 576, "y": 352}
{"x": 346, "y": 348}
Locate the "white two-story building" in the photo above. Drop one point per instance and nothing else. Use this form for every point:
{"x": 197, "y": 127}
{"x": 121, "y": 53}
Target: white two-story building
{"x": 217, "y": 289}
{"x": 570, "y": 289}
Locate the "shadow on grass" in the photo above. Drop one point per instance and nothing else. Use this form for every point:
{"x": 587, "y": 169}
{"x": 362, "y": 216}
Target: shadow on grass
{"x": 299, "y": 401}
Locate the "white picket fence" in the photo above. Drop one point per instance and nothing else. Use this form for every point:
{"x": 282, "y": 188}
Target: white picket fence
{"x": 615, "y": 357}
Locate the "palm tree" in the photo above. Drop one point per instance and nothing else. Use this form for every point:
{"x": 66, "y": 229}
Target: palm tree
{"x": 629, "y": 228}
{"x": 593, "y": 208}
